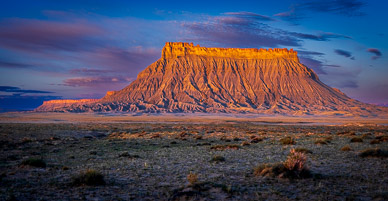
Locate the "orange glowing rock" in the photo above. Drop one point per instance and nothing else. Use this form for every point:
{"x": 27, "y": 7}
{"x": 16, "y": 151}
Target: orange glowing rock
{"x": 52, "y": 105}
{"x": 175, "y": 50}
{"x": 190, "y": 78}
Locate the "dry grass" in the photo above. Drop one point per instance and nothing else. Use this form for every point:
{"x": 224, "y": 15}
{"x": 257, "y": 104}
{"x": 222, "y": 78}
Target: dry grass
{"x": 303, "y": 150}
{"x": 245, "y": 143}
{"x": 34, "y": 162}
{"x": 321, "y": 142}
{"x": 89, "y": 177}
{"x": 164, "y": 163}
{"x": 256, "y": 139}
{"x": 287, "y": 141}
{"x": 192, "y": 178}
{"x": 374, "y": 152}
{"x": 218, "y": 158}
{"x": 346, "y": 148}
{"x": 375, "y": 141}
{"x": 225, "y": 147}
{"x": 292, "y": 168}
{"x": 356, "y": 139}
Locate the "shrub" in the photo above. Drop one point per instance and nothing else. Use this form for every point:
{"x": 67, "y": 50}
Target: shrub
{"x": 245, "y": 143}
{"x": 356, "y": 139}
{"x": 236, "y": 139}
{"x": 293, "y": 167}
{"x": 192, "y": 178}
{"x": 346, "y": 133}
{"x": 376, "y": 152}
{"x": 218, "y": 158}
{"x": 128, "y": 155}
{"x": 287, "y": 141}
{"x": 382, "y": 138}
{"x": 256, "y": 139}
{"x": 198, "y": 137}
{"x": 375, "y": 141}
{"x": 303, "y": 150}
{"x": 89, "y": 178}
{"x": 328, "y": 139}
{"x": 156, "y": 135}
{"x": 34, "y": 162}
{"x": 269, "y": 169}
{"x": 320, "y": 141}
{"x": 346, "y": 148}
{"x": 296, "y": 161}
{"x": 366, "y": 136}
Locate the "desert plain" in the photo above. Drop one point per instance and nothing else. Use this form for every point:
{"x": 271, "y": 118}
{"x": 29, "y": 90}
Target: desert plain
{"x": 134, "y": 156}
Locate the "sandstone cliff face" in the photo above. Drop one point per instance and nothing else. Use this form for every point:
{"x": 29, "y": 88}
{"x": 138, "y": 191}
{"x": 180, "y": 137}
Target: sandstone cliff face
{"x": 190, "y": 78}
{"x": 58, "y": 105}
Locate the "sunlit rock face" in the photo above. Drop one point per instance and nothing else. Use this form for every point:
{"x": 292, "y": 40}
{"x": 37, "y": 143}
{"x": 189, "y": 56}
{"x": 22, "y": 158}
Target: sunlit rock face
{"x": 190, "y": 78}
{"x": 58, "y": 105}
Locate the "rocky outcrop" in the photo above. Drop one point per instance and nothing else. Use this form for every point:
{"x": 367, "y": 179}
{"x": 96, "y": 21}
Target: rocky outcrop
{"x": 58, "y": 105}
{"x": 190, "y": 78}
{"x": 176, "y": 50}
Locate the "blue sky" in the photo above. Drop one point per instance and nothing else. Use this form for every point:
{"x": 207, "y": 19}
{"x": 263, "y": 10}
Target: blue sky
{"x": 81, "y": 49}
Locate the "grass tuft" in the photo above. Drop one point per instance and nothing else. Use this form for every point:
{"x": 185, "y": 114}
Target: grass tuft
{"x": 218, "y": 158}
{"x": 34, "y": 162}
{"x": 375, "y": 141}
{"x": 303, "y": 150}
{"x": 356, "y": 139}
{"x": 192, "y": 178}
{"x": 292, "y": 168}
{"x": 89, "y": 178}
{"x": 321, "y": 142}
{"x": 287, "y": 141}
{"x": 245, "y": 143}
{"x": 224, "y": 147}
{"x": 256, "y": 139}
{"x": 374, "y": 152}
{"x": 346, "y": 148}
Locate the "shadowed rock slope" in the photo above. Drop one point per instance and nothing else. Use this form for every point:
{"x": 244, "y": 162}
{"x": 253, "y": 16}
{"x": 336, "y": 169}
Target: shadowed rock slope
{"x": 197, "y": 79}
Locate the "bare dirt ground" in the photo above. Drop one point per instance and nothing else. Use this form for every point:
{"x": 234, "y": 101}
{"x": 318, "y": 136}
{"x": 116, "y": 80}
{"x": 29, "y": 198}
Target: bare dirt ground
{"x": 150, "y": 157}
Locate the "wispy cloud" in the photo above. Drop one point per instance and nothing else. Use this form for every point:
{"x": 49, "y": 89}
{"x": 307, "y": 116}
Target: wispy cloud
{"x": 33, "y": 36}
{"x": 237, "y": 31}
{"x": 250, "y": 15}
{"x": 310, "y": 53}
{"x": 242, "y": 31}
{"x": 342, "y": 77}
{"x": 95, "y": 81}
{"x": 376, "y": 52}
{"x": 319, "y": 37}
{"x": 313, "y": 63}
{"x": 88, "y": 71}
{"x": 12, "y": 89}
{"x": 10, "y": 64}
{"x": 298, "y": 10}
{"x": 291, "y": 15}
{"x": 75, "y": 47}
{"x": 342, "y": 7}
{"x": 347, "y": 84}
{"x": 344, "y": 53}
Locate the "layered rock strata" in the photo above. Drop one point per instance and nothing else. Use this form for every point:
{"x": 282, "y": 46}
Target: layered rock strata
{"x": 190, "y": 78}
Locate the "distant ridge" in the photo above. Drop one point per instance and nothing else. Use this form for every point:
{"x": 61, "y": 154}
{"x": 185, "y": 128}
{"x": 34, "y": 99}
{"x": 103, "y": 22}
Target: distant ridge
{"x": 190, "y": 78}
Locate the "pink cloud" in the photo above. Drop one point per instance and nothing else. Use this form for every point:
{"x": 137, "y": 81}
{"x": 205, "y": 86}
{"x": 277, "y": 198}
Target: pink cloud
{"x": 95, "y": 81}
{"x": 375, "y": 51}
{"x": 32, "y": 35}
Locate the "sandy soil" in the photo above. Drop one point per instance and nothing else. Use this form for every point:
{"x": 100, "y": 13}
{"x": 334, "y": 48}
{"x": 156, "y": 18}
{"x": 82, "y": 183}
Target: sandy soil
{"x": 149, "y": 157}
{"x": 32, "y": 117}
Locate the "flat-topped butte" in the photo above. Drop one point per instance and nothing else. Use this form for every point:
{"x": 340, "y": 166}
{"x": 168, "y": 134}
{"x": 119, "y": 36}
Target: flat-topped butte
{"x": 177, "y": 49}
